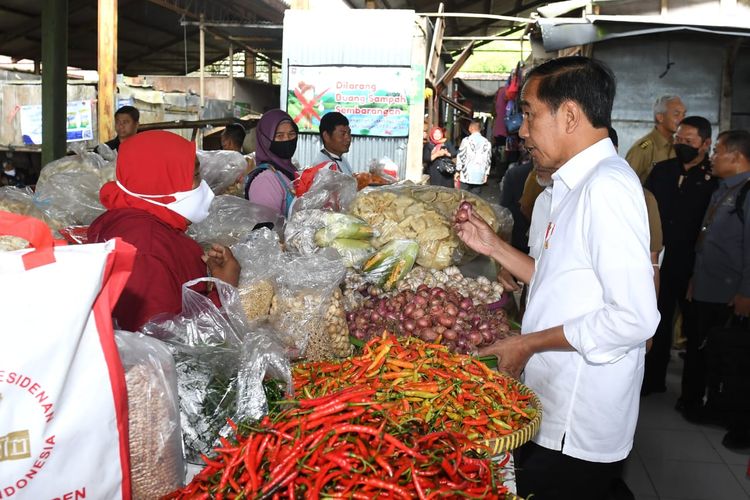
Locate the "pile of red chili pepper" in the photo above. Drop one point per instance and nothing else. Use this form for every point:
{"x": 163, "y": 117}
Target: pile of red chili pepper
{"x": 339, "y": 446}
{"x": 425, "y": 383}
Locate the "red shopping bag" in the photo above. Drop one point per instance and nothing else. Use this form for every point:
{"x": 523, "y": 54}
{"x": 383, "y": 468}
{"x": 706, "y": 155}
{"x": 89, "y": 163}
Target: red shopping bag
{"x": 63, "y": 412}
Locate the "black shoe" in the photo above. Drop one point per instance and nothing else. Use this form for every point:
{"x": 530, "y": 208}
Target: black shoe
{"x": 736, "y": 440}
{"x": 679, "y": 405}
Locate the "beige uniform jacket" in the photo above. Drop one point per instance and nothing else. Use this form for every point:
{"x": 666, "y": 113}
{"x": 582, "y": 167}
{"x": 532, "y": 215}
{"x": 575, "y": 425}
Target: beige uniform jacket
{"x": 649, "y": 149}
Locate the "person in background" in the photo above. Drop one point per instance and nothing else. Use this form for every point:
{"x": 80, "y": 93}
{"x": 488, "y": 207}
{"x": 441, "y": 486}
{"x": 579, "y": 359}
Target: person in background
{"x": 12, "y": 176}
{"x": 591, "y": 304}
{"x": 336, "y": 137}
{"x": 682, "y": 187}
{"x": 439, "y": 150}
{"x": 720, "y": 284}
{"x": 270, "y": 182}
{"x": 156, "y": 194}
{"x": 474, "y": 159}
{"x": 656, "y": 146}
{"x": 233, "y": 137}
{"x": 126, "y": 126}
{"x": 511, "y": 189}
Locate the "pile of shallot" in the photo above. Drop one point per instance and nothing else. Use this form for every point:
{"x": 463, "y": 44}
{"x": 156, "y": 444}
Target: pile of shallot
{"x": 432, "y": 314}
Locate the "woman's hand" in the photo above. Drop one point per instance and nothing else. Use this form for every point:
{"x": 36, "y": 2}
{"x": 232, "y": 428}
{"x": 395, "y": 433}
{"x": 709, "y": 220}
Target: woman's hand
{"x": 222, "y": 264}
{"x": 474, "y": 231}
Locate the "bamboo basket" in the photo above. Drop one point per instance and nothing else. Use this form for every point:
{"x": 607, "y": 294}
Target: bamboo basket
{"x": 521, "y": 436}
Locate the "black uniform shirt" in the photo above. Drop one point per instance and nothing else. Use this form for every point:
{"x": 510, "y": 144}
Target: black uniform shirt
{"x": 683, "y": 196}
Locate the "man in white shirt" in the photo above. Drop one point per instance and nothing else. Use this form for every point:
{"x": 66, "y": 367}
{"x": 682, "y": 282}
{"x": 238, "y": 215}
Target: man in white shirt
{"x": 336, "y": 137}
{"x": 591, "y": 304}
{"x": 474, "y": 159}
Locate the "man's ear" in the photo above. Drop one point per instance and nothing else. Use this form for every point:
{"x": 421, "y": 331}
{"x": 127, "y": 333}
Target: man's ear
{"x": 659, "y": 117}
{"x": 571, "y": 115}
{"x": 707, "y": 144}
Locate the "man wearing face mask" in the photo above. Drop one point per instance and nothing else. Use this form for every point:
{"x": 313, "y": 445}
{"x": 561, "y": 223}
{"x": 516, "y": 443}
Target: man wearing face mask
{"x": 156, "y": 194}
{"x": 682, "y": 187}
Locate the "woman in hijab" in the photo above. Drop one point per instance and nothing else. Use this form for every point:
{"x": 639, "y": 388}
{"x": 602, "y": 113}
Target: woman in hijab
{"x": 271, "y": 182}
{"x": 156, "y": 194}
{"x": 438, "y": 150}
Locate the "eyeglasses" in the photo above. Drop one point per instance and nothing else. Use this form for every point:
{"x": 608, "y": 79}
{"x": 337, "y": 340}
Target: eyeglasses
{"x": 285, "y": 136}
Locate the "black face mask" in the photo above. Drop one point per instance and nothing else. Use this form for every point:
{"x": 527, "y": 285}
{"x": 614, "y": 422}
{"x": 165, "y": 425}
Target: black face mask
{"x": 284, "y": 149}
{"x": 685, "y": 153}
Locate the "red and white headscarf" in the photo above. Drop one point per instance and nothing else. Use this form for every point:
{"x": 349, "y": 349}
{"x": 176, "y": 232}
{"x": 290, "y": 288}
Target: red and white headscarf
{"x": 152, "y": 163}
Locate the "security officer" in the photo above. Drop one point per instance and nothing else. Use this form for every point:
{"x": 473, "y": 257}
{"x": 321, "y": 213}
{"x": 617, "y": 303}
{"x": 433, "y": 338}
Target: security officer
{"x": 682, "y": 187}
{"x": 656, "y": 146}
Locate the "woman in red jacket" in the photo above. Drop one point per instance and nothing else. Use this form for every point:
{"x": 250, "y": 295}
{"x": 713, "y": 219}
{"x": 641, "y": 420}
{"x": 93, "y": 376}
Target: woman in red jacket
{"x": 156, "y": 194}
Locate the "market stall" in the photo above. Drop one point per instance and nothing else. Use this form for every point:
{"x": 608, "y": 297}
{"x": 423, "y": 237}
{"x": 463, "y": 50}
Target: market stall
{"x": 344, "y": 361}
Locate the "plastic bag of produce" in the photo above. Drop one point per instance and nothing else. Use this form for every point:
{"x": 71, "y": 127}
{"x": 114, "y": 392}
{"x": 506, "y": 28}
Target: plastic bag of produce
{"x": 391, "y": 263}
{"x": 208, "y": 343}
{"x": 423, "y": 214}
{"x": 63, "y": 424}
{"x": 231, "y": 220}
{"x": 21, "y": 201}
{"x": 259, "y": 257}
{"x": 68, "y": 188}
{"x": 342, "y": 226}
{"x": 220, "y": 169}
{"x": 156, "y": 462}
{"x": 331, "y": 190}
{"x": 263, "y": 358}
{"x": 354, "y": 253}
{"x": 304, "y": 287}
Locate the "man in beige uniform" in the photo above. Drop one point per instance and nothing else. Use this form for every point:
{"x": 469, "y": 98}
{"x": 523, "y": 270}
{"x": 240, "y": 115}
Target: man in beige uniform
{"x": 656, "y": 146}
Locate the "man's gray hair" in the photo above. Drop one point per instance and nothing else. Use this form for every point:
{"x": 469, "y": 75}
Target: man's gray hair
{"x": 660, "y": 106}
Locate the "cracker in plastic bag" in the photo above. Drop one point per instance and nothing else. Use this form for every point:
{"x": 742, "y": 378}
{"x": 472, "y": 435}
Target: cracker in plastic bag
{"x": 157, "y": 466}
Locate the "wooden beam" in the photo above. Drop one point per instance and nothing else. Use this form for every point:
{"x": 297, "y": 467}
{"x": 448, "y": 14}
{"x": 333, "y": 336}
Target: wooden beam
{"x": 106, "y": 67}
{"x": 455, "y": 67}
{"x": 54, "y": 78}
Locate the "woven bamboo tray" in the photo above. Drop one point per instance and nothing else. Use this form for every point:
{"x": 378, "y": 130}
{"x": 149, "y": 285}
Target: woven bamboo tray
{"x": 524, "y": 434}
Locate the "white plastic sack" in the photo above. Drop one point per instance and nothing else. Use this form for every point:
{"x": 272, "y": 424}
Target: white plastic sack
{"x": 63, "y": 412}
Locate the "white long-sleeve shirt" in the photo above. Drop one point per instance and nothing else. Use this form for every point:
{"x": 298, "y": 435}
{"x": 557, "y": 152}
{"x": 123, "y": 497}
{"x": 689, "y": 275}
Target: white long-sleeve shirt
{"x": 594, "y": 277}
{"x": 474, "y": 159}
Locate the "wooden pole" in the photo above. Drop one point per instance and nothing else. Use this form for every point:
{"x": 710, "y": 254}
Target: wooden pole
{"x": 202, "y": 60}
{"x": 231, "y": 75}
{"x": 107, "y": 68}
{"x": 54, "y": 78}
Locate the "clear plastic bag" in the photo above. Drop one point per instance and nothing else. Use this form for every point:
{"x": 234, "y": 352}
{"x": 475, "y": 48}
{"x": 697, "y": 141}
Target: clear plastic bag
{"x": 259, "y": 257}
{"x": 391, "y": 263}
{"x": 504, "y": 222}
{"x": 309, "y": 230}
{"x": 21, "y": 201}
{"x": 213, "y": 348}
{"x": 231, "y": 220}
{"x": 68, "y": 188}
{"x": 304, "y": 288}
{"x": 331, "y": 190}
{"x": 221, "y": 169}
{"x": 424, "y": 214}
{"x": 157, "y": 466}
